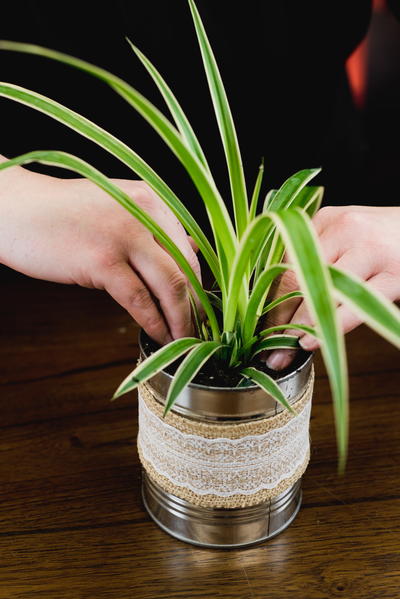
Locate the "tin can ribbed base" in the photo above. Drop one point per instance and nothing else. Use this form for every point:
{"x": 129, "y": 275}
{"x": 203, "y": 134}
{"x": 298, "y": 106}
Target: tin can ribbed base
{"x": 220, "y": 527}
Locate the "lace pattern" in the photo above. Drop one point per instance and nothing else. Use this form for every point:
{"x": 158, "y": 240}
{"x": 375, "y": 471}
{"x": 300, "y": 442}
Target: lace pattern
{"x": 221, "y": 466}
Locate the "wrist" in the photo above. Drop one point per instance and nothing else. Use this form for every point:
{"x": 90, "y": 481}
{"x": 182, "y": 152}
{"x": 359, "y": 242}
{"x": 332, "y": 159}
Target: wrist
{"x": 20, "y": 193}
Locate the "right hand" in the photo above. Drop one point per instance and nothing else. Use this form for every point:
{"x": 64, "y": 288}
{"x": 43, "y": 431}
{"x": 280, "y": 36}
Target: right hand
{"x": 71, "y": 231}
{"x": 362, "y": 240}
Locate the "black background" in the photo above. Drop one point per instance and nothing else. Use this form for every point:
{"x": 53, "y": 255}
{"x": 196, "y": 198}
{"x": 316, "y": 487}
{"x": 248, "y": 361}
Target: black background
{"x": 282, "y": 64}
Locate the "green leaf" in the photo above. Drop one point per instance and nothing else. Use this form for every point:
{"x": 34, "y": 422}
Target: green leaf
{"x": 204, "y": 331}
{"x": 260, "y": 256}
{"x": 225, "y": 124}
{"x": 268, "y": 199}
{"x": 81, "y": 167}
{"x": 267, "y": 383}
{"x": 291, "y": 326}
{"x": 215, "y": 300}
{"x": 174, "y": 107}
{"x": 291, "y": 188}
{"x": 276, "y": 342}
{"x": 290, "y": 194}
{"x": 188, "y": 369}
{"x": 257, "y": 299}
{"x": 236, "y": 347}
{"x": 313, "y": 276}
{"x": 309, "y": 198}
{"x": 249, "y": 241}
{"x": 195, "y": 312}
{"x": 252, "y": 215}
{"x": 374, "y": 309}
{"x": 256, "y": 192}
{"x": 155, "y": 363}
{"x": 280, "y": 301}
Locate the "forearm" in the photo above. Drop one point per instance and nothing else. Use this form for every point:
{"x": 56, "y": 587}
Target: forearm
{"x": 18, "y": 189}
{"x": 15, "y": 178}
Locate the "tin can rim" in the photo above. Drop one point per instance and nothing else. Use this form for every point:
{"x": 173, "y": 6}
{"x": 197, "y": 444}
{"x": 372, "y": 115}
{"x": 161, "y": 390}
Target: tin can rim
{"x": 284, "y": 379}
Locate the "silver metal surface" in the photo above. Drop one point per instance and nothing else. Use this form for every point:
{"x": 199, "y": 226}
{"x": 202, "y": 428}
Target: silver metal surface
{"x": 230, "y": 403}
{"x": 220, "y": 528}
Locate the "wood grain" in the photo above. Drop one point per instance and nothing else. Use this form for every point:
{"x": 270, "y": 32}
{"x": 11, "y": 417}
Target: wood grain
{"x": 72, "y": 525}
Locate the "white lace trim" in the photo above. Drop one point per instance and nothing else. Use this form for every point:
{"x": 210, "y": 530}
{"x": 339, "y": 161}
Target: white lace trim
{"x": 224, "y": 467}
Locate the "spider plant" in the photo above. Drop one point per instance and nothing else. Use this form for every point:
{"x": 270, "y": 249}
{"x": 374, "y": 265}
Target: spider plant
{"x": 246, "y": 254}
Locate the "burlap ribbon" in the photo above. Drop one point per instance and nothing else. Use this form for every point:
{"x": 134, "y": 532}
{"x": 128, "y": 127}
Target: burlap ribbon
{"x": 224, "y": 465}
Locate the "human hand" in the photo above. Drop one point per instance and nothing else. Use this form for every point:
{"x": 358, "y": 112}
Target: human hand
{"x": 71, "y": 231}
{"x": 362, "y": 240}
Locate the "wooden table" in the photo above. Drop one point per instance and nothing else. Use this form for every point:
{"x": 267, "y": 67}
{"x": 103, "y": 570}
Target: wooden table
{"x": 72, "y": 524}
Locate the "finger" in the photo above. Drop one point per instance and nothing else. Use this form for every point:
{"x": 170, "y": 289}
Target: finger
{"x": 353, "y": 260}
{"x": 166, "y": 219}
{"x": 327, "y": 216}
{"x": 174, "y": 229}
{"x": 177, "y": 233}
{"x": 130, "y": 292}
{"x": 166, "y": 282}
{"x": 281, "y": 358}
{"x": 295, "y": 310}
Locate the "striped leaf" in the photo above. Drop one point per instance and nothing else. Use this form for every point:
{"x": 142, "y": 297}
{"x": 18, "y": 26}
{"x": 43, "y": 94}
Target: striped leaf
{"x": 174, "y": 107}
{"x": 249, "y": 241}
{"x": 195, "y": 312}
{"x": 256, "y": 192}
{"x": 280, "y": 300}
{"x": 268, "y": 384}
{"x": 269, "y": 199}
{"x": 290, "y": 194}
{"x": 374, "y": 309}
{"x": 257, "y": 299}
{"x": 310, "y": 199}
{"x": 312, "y": 273}
{"x": 188, "y": 369}
{"x": 276, "y": 342}
{"x": 225, "y": 124}
{"x": 287, "y": 193}
{"x": 291, "y": 326}
{"x": 215, "y": 300}
{"x": 260, "y": 258}
{"x": 155, "y": 363}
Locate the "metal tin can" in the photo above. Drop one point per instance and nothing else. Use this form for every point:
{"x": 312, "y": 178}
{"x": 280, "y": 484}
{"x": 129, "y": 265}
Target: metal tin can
{"x": 224, "y": 527}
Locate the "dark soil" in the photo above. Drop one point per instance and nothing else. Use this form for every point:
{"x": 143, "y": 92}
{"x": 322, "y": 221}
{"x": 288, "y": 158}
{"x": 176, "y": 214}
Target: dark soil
{"x": 216, "y": 374}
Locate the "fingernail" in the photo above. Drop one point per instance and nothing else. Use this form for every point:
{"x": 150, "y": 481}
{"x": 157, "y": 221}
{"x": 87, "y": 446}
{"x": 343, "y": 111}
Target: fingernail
{"x": 279, "y": 359}
{"x": 308, "y": 342}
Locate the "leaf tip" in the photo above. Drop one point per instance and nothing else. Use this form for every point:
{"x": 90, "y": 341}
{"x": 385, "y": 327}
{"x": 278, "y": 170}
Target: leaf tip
{"x": 132, "y": 45}
{"x": 342, "y": 461}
